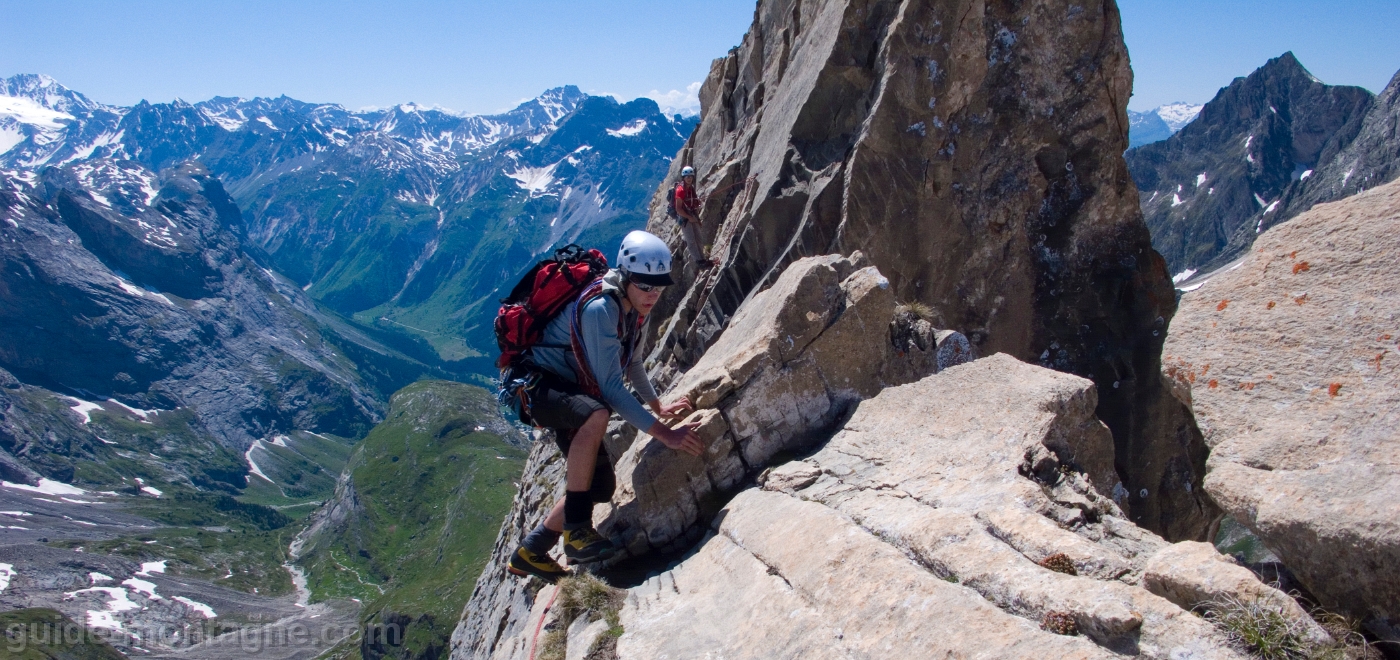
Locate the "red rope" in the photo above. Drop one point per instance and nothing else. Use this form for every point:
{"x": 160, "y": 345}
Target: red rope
{"x": 540, "y": 626}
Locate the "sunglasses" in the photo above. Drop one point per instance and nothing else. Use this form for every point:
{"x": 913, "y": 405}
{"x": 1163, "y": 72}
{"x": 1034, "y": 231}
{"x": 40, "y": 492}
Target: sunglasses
{"x": 648, "y": 288}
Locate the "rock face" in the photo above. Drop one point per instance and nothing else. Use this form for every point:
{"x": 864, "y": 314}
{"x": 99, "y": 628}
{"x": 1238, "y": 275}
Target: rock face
{"x": 1289, "y": 362}
{"x": 121, "y": 283}
{"x": 970, "y": 151}
{"x": 1211, "y": 188}
{"x": 790, "y": 367}
{"x": 1370, "y": 160}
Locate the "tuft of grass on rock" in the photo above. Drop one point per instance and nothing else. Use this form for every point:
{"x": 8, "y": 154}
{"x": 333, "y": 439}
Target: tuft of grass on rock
{"x": 582, "y": 596}
{"x": 1264, "y": 632}
{"x": 918, "y": 309}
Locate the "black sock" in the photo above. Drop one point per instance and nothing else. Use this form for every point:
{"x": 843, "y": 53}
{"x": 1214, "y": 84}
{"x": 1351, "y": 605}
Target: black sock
{"x": 578, "y": 509}
{"x": 540, "y": 540}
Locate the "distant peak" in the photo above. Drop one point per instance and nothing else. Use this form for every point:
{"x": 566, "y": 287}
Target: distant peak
{"x": 1286, "y": 64}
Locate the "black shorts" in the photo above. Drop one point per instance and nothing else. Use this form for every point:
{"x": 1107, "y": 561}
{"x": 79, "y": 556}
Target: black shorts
{"x": 562, "y": 406}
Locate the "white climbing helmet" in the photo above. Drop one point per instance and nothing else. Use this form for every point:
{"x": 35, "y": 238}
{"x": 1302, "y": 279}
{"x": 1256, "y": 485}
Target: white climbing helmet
{"x": 687, "y": 171}
{"x": 645, "y": 259}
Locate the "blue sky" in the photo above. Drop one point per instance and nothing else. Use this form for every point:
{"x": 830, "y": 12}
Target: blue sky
{"x": 478, "y": 56}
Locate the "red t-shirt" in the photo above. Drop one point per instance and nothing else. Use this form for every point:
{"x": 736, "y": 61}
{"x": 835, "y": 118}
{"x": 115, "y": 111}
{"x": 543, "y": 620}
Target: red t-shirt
{"x": 686, "y": 199}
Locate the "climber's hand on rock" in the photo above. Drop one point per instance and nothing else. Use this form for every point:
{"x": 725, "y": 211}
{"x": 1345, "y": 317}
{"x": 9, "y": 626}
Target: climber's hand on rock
{"x": 683, "y": 438}
{"x": 677, "y": 409}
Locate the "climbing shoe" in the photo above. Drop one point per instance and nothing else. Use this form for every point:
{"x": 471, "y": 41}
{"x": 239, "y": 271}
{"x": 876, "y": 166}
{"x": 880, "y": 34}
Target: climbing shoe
{"x": 584, "y": 545}
{"x": 524, "y": 562}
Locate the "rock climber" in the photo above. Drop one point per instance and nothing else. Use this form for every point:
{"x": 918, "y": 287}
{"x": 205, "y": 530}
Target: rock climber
{"x": 607, "y": 330}
{"x": 687, "y": 204}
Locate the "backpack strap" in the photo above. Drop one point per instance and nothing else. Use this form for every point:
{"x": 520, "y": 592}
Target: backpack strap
{"x": 584, "y": 371}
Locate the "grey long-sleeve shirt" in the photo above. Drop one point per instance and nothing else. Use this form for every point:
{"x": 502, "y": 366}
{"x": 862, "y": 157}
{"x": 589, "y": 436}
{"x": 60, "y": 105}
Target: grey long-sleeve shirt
{"x": 601, "y": 343}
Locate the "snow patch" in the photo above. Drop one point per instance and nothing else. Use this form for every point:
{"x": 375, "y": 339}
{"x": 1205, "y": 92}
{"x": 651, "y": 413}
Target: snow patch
{"x": 1176, "y": 200}
{"x": 1270, "y": 208}
{"x": 252, "y": 465}
{"x": 47, "y": 487}
{"x": 280, "y": 440}
{"x": 269, "y": 123}
{"x": 1260, "y": 200}
{"x": 143, "y": 414}
{"x": 203, "y": 609}
{"x": 96, "y": 577}
{"x": 7, "y": 573}
{"x": 152, "y": 567}
{"x": 84, "y": 408}
{"x": 630, "y": 129}
{"x": 1200, "y": 179}
{"x": 104, "y": 618}
{"x": 1178, "y": 115}
{"x": 151, "y": 491}
{"x": 1305, "y": 175}
{"x": 27, "y": 111}
{"x": 148, "y": 588}
{"x": 9, "y": 137}
{"x": 537, "y": 180}
{"x": 1183, "y": 276}
{"x": 142, "y": 293}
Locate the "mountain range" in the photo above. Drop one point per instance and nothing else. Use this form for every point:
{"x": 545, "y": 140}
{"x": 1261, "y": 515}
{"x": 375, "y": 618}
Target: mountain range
{"x": 407, "y": 219}
{"x": 1160, "y": 122}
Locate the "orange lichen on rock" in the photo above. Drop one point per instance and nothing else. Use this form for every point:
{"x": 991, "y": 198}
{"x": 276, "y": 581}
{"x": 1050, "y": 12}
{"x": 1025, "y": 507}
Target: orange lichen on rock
{"x": 1247, "y": 386}
{"x": 1271, "y": 304}
{"x": 1384, "y": 338}
{"x": 1301, "y": 299}
{"x": 1301, "y": 267}
{"x": 1223, "y": 304}
{"x": 1214, "y": 383}
{"x": 1293, "y": 254}
{"x": 1333, "y": 389}
{"x": 1379, "y": 356}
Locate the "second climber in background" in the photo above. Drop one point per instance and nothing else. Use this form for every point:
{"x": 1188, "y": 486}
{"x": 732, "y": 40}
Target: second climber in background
{"x": 686, "y": 201}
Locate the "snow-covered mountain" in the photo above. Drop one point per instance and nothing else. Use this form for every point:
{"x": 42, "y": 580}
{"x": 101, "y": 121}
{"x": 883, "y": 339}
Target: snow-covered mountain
{"x": 408, "y": 218}
{"x": 1160, "y": 122}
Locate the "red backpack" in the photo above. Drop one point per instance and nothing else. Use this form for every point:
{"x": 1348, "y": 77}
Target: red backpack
{"x": 544, "y": 292}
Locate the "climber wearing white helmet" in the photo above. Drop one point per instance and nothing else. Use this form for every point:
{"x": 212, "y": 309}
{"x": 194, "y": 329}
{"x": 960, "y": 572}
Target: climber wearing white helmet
{"x": 603, "y": 326}
{"x": 686, "y": 202}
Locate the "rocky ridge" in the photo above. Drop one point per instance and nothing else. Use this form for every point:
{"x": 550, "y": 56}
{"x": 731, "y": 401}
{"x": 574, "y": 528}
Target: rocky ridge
{"x": 974, "y": 159}
{"x": 959, "y": 514}
{"x": 1287, "y": 361}
{"x": 1369, "y": 160}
